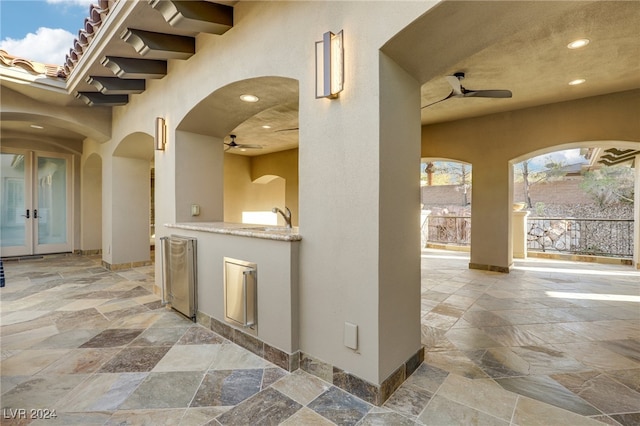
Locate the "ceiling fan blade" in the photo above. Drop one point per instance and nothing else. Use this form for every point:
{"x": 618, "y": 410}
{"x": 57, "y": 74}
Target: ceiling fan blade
{"x": 487, "y": 93}
{"x": 451, "y": 95}
{"x": 287, "y": 130}
{"x": 454, "y": 82}
{"x": 248, "y": 146}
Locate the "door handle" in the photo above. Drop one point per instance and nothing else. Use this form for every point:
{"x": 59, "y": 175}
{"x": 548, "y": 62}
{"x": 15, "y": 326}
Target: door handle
{"x": 26, "y": 215}
{"x": 35, "y": 213}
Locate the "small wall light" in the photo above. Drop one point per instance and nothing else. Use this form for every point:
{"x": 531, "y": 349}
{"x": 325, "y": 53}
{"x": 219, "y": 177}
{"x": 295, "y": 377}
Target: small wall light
{"x": 329, "y": 65}
{"x": 577, "y": 44}
{"x": 161, "y": 133}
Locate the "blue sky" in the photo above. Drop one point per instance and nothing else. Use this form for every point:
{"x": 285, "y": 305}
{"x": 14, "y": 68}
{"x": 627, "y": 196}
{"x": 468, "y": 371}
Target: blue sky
{"x": 41, "y": 31}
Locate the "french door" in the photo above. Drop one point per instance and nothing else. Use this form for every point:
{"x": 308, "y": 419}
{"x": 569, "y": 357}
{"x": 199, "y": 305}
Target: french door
{"x": 35, "y": 197}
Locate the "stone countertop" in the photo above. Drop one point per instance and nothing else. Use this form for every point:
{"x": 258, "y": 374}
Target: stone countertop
{"x": 269, "y": 232}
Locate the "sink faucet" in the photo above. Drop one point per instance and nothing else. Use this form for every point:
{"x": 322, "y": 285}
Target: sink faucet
{"x": 286, "y": 216}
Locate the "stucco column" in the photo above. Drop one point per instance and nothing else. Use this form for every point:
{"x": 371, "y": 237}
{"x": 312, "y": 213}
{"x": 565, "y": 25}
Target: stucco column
{"x": 424, "y": 228}
{"x": 520, "y": 234}
{"x": 636, "y": 215}
{"x": 126, "y": 204}
{"x": 491, "y": 215}
{"x": 91, "y": 199}
{"x": 359, "y": 216}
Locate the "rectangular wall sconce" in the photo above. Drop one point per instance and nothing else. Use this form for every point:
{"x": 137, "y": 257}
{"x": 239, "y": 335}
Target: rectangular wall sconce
{"x": 161, "y": 133}
{"x": 329, "y": 65}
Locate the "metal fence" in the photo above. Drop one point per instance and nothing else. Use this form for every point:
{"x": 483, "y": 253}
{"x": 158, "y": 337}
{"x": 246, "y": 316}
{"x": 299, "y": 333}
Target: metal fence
{"x": 449, "y": 230}
{"x": 597, "y": 237}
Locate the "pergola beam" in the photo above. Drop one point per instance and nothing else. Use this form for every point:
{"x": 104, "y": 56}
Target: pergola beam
{"x": 160, "y": 45}
{"x": 200, "y": 16}
{"x": 100, "y": 99}
{"x": 135, "y": 68}
{"x": 117, "y": 86}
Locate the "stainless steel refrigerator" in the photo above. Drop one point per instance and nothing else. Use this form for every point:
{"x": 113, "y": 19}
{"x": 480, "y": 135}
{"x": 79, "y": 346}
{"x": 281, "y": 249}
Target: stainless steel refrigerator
{"x": 179, "y": 270}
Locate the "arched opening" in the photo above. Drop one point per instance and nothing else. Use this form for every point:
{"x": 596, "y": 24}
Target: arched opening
{"x": 266, "y": 140}
{"x": 129, "y": 202}
{"x": 578, "y": 201}
{"x": 445, "y": 196}
{"x": 248, "y": 201}
{"x": 465, "y": 328}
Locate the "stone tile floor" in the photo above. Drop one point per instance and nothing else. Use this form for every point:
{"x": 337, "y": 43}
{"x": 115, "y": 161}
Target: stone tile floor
{"x": 551, "y": 343}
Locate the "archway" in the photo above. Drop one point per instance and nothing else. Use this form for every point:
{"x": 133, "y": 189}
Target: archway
{"x": 490, "y": 139}
{"x": 211, "y": 170}
{"x": 574, "y": 211}
{"x": 446, "y": 195}
{"x": 250, "y": 201}
{"x": 128, "y": 203}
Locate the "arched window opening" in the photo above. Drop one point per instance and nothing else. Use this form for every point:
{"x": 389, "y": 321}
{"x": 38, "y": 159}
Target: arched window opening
{"x": 445, "y": 195}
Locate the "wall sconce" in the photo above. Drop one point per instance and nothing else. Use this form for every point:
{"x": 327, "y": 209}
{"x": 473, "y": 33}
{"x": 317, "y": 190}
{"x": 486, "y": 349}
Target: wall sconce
{"x": 161, "y": 134}
{"x": 329, "y": 65}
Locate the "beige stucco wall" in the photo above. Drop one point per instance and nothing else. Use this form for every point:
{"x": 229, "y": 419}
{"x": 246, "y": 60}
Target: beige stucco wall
{"x": 364, "y": 282}
{"x": 354, "y": 191}
{"x": 494, "y": 142}
{"x": 242, "y": 194}
{"x": 283, "y": 164}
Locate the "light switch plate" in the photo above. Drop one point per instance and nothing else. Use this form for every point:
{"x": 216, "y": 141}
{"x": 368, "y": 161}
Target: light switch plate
{"x": 351, "y": 335}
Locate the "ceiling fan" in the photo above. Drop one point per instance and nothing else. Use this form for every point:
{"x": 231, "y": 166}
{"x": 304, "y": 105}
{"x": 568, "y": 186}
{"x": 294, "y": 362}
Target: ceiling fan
{"x": 459, "y": 91}
{"x": 239, "y": 146}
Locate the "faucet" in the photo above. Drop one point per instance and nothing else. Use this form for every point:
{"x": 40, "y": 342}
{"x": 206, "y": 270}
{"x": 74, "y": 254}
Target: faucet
{"x": 286, "y": 216}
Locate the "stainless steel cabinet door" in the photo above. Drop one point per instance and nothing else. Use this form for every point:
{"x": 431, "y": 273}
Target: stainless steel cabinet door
{"x": 240, "y": 293}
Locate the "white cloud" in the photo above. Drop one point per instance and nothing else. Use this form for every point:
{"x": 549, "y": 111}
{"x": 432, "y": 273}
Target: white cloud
{"x": 566, "y": 157}
{"x": 573, "y": 156}
{"x": 47, "y": 45}
{"x": 85, "y": 3}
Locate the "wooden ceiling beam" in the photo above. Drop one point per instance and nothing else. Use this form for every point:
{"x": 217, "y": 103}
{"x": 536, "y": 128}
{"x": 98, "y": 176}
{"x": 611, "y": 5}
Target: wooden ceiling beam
{"x": 117, "y": 86}
{"x": 200, "y": 16}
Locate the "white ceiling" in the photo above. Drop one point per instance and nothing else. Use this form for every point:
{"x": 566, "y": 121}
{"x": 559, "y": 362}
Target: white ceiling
{"x": 532, "y": 59}
{"x": 520, "y": 46}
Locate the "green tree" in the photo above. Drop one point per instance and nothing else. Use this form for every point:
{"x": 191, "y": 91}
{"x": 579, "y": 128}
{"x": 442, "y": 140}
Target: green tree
{"x": 610, "y": 184}
{"x": 554, "y": 171}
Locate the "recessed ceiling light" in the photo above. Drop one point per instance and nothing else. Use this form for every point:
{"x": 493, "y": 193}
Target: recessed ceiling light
{"x": 249, "y": 98}
{"x": 577, "y": 81}
{"x": 35, "y": 126}
{"x": 577, "y": 44}
{"x": 266, "y": 126}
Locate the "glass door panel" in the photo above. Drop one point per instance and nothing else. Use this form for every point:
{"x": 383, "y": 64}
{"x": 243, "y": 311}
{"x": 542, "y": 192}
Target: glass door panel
{"x": 52, "y": 202}
{"x": 51, "y": 212}
{"x": 15, "y": 207}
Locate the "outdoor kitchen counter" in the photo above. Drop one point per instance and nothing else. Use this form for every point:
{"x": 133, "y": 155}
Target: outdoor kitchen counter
{"x": 274, "y": 252}
{"x": 278, "y": 233}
